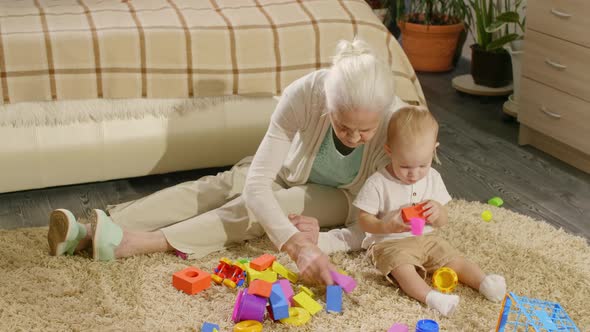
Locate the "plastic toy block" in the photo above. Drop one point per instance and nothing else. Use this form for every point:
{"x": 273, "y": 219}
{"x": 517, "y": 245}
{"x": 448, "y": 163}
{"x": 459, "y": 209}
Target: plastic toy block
{"x": 248, "y": 307}
{"x": 263, "y": 262}
{"x": 397, "y": 327}
{"x": 278, "y": 302}
{"x": 341, "y": 271}
{"x": 287, "y": 290}
{"x": 209, "y": 327}
{"x": 297, "y": 316}
{"x": 305, "y": 301}
{"x": 306, "y": 291}
{"x": 248, "y": 326}
{"x": 334, "y": 298}
{"x": 445, "y": 279}
{"x": 520, "y": 313}
{"x": 427, "y": 325}
{"x": 260, "y": 288}
{"x": 266, "y": 275}
{"x": 414, "y": 211}
{"x": 496, "y": 201}
{"x": 244, "y": 261}
{"x": 191, "y": 280}
{"x": 347, "y": 283}
{"x": 284, "y": 272}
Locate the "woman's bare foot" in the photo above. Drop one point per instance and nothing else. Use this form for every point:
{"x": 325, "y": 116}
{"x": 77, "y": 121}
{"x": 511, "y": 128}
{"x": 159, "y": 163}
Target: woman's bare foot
{"x": 137, "y": 243}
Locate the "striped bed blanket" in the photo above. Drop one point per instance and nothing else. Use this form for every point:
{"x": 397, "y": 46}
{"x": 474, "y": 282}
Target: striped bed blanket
{"x": 86, "y": 49}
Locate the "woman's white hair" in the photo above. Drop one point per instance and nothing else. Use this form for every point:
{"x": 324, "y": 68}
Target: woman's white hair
{"x": 358, "y": 79}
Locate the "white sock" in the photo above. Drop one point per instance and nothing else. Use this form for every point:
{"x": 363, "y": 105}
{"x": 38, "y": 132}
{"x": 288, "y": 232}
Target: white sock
{"x": 493, "y": 287}
{"x": 443, "y": 303}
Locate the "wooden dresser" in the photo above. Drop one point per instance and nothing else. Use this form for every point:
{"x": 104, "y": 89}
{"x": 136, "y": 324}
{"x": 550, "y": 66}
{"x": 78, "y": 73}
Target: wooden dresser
{"x": 554, "y": 110}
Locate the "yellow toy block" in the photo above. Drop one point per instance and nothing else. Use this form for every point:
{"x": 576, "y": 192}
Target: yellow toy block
{"x": 266, "y": 275}
{"x": 341, "y": 271}
{"x": 284, "y": 272}
{"x": 297, "y": 316}
{"x": 305, "y": 301}
{"x": 306, "y": 291}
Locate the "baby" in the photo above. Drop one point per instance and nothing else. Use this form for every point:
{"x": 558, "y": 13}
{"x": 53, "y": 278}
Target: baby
{"x": 408, "y": 180}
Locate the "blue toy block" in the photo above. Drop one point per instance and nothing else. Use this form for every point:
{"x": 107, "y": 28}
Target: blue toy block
{"x": 210, "y": 327}
{"x": 279, "y": 302}
{"x": 520, "y": 313}
{"x": 334, "y": 298}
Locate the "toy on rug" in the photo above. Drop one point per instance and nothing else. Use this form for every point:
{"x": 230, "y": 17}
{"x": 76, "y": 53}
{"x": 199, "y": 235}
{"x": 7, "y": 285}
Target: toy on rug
{"x": 520, "y": 313}
{"x": 210, "y": 327}
{"x": 445, "y": 279}
{"x": 228, "y": 273}
{"x": 191, "y": 280}
{"x": 417, "y": 225}
{"x": 248, "y": 326}
{"x": 486, "y": 215}
{"x": 397, "y": 327}
{"x": 427, "y": 325}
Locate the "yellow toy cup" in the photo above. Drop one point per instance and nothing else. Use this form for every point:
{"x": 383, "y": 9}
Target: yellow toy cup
{"x": 445, "y": 280}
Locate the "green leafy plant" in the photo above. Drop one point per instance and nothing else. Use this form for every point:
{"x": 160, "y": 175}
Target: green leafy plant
{"x": 431, "y": 12}
{"x": 496, "y": 24}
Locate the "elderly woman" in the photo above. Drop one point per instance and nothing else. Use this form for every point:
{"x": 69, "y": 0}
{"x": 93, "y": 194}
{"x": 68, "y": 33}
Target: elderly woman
{"x": 324, "y": 139}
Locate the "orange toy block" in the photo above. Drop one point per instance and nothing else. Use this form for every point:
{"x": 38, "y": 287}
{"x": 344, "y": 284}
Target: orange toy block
{"x": 191, "y": 280}
{"x": 260, "y": 288}
{"x": 263, "y": 262}
{"x": 414, "y": 211}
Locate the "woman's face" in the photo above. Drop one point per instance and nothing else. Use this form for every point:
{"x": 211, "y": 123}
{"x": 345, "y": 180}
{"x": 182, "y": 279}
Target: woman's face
{"x": 354, "y": 128}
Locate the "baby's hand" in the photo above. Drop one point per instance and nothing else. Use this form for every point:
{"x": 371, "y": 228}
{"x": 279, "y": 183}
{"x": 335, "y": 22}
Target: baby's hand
{"x": 431, "y": 211}
{"x": 394, "y": 222}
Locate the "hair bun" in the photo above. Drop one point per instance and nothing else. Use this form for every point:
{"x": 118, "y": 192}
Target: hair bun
{"x": 347, "y": 49}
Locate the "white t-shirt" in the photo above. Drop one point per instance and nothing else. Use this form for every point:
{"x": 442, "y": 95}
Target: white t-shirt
{"x": 382, "y": 194}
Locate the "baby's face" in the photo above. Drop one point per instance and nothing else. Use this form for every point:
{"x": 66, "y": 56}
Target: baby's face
{"x": 411, "y": 162}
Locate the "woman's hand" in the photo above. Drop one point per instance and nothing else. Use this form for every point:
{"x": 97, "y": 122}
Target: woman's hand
{"x": 309, "y": 226}
{"x": 432, "y": 212}
{"x": 394, "y": 222}
{"x": 313, "y": 264}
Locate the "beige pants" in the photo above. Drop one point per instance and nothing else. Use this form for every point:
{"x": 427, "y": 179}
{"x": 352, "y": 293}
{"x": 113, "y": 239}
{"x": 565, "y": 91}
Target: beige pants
{"x": 203, "y": 216}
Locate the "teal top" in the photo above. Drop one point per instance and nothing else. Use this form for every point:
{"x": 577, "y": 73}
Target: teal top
{"x": 332, "y": 168}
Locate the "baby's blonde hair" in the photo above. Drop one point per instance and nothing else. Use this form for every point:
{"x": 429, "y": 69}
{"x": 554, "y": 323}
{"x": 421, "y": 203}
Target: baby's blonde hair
{"x": 409, "y": 124}
{"x": 358, "y": 79}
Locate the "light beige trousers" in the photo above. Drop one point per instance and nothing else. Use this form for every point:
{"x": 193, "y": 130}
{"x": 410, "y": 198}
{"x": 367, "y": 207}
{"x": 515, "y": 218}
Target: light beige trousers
{"x": 203, "y": 216}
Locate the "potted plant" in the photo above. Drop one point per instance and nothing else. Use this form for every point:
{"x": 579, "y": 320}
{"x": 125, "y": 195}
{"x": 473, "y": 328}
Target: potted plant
{"x": 496, "y": 26}
{"x": 431, "y": 30}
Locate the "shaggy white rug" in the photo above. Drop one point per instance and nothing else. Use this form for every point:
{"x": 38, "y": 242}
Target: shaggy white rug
{"x": 39, "y": 292}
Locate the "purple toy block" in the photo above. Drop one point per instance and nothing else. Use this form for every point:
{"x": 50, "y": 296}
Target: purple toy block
{"x": 248, "y": 307}
{"x": 278, "y": 302}
{"x": 346, "y": 282}
{"x": 334, "y": 298}
{"x": 397, "y": 327}
{"x": 287, "y": 289}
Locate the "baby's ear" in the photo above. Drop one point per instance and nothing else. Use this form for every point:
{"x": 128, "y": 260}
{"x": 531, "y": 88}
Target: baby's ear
{"x": 436, "y": 145}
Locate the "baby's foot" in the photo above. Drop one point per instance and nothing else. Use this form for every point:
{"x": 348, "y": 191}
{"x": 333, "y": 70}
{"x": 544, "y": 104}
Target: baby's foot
{"x": 493, "y": 287}
{"x": 443, "y": 303}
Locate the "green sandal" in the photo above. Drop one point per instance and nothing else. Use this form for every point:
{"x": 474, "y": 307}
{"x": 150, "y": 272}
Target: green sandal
{"x": 64, "y": 232}
{"x": 107, "y": 236}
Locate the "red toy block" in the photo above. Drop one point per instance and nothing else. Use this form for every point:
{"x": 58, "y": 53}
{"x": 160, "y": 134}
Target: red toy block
{"x": 191, "y": 280}
{"x": 414, "y": 211}
{"x": 263, "y": 262}
{"x": 260, "y": 288}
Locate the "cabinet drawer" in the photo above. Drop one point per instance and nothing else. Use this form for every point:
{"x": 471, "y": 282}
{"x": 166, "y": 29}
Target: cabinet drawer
{"x": 566, "y": 19}
{"x": 555, "y": 114}
{"x": 557, "y": 63}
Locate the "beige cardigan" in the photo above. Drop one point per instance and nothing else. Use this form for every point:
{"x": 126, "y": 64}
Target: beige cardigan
{"x": 288, "y": 150}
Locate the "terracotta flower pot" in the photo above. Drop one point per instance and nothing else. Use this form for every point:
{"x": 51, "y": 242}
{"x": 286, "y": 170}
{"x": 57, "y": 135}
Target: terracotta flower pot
{"x": 430, "y": 47}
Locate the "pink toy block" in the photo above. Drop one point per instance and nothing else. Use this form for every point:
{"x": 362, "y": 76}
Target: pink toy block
{"x": 287, "y": 290}
{"x": 347, "y": 283}
{"x": 417, "y": 225}
{"x": 191, "y": 280}
{"x": 397, "y": 327}
{"x": 263, "y": 262}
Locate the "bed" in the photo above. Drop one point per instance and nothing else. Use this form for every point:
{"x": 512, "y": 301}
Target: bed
{"x": 98, "y": 90}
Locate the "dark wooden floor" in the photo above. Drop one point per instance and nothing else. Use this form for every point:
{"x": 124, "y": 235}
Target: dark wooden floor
{"x": 479, "y": 153}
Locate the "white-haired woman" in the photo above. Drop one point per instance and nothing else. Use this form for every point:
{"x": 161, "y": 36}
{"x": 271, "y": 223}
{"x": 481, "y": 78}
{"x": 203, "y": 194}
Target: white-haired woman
{"x": 324, "y": 139}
